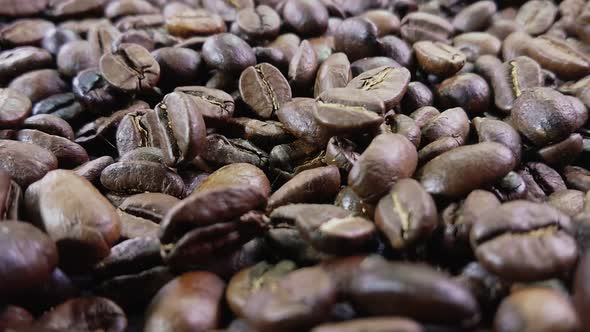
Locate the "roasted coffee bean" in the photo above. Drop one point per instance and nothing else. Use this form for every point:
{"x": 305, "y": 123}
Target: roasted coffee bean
{"x": 14, "y": 108}
{"x": 577, "y": 177}
{"x": 261, "y": 22}
{"x": 250, "y": 280}
{"x": 140, "y": 176}
{"x": 314, "y": 185}
{"x": 19, "y": 60}
{"x": 68, "y": 153}
{"x": 303, "y": 66}
{"x": 419, "y": 26}
{"x": 75, "y": 215}
{"x": 305, "y": 17}
{"x": 264, "y": 134}
{"x": 136, "y": 227}
{"x": 305, "y": 297}
{"x": 222, "y": 151}
{"x": 474, "y": 17}
{"x": 541, "y": 181}
{"x": 334, "y": 72}
{"x": 397, "y": 49}
{"x": 26, "y": 163}
{"x": 213, "y": 104}
{"x": 450, "y": 123}
{"x": 541, "y": 234}
{"x": 388, "y": 158}
{"x": 468, "y": 91}
{"x": 91, "y": 170}
{"x": 64, "y": 106}
{"x": 386, "y": 22}
{"x": 227, "y": 10}
{"x": 512, "y": 78}
{"x": 457, "y": 172}
{"x": 90, "y": 314}
{"x": 24, "y": 32}
{"x": 405, "y": 126}
{"x": 490, "y": 130}
{"x": 357, "y": 37}
{"x": 564, "y": 152}
{"x": 30, "y": 257}
{"x": 178, "y": 66}
{"x": 438, "y": 58}
{"x": 49, "y": 124}
{"x": 152, "y": 206}
{"x": 570, "y": 202}
{"x": 264, "y": 89}
{"x": 94, "y": 92}
{"x": 479, "y": 43}
{"x": 10, "y": 197}
{"x": 365, "y": 64}
{"x": 194, "y": 22}
{"x": 418, "y": 95}
{"x": 421, "y": 287}
{"x": 387, "y": 83}
{"x": 406, "y": 215}
{"x": 581, "y": 296}
{"x": 536, "y": 16}
{"x": 227, "y": 52}
{"x": 544, "y": 116}
{"x": 130, "y": 68}
{"x": 177, "y": 128}
{"x": 558, "y": 57}
{"x": 76, "y": 56}
{"x": 342, "y": 117}
{"x": 39, "y": 84}
{"x": 518, "y": 312}
{"x": 130, "y": 256}
{"x": 341, "y": 153}
{"x": 201, "y": 290}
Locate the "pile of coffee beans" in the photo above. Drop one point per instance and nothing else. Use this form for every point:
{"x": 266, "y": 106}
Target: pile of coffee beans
{"x": 294, "y": 165}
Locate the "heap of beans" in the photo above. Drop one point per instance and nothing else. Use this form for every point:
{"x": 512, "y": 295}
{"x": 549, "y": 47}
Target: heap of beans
{"x": 294, "y": 166}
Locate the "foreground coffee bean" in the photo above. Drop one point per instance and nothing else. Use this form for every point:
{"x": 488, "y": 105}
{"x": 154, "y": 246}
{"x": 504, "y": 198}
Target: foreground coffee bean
{"x": 377, "y": 324}
{"x": 540, "y": 233}
{"x": 26, "y": 163}
{"x": 201, "y": 292}
{"x": 264, "y": 89}
{"x": 130, "y": 68}
{"x": 463, "y": 169}
{"x": 75, "y": 215}
{"x": 518, "y": 312}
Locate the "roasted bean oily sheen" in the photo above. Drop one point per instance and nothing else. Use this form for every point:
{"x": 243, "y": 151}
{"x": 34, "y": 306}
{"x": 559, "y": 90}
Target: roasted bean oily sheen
{"x": 294, "y": 165}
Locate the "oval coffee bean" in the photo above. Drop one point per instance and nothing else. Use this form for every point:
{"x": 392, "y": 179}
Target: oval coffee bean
{"x": 264, "y": 89}
{"x": 26, "y": 163}
{"x": 334, "y": 72}
{"x": 438, "y": 58}
{"x": 524, "y": 241}
{"x": 387, "y": 83}
{"x": 141, "y": 176}
{"x": 15, "y": 107}
{"x": 406, "y": 215}
{"x": 388, "y": 158}
{"x": 228, "y": 53}
{"x": 68, "y": 153}
{"x": 536, "y": 16}
{"x": 202, "y": 291}
{"x": 130, "y": 68}
{"x": 457, "y": 172}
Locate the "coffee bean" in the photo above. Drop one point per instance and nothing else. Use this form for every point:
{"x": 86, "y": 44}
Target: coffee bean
{"x": 558, "y": 57}
{"x": 19, "y": 60}
{"x": 26, "y": 163}
{"x": 570, "y": 202}
{"x": 264, "y": 134}
{"x": 386, "y": 22}
{"x": 133, "y": 227}
{"x": 536, "y": 16}
{"x": 387, "y": 83}
{"x": 27, "y": 266}
{"x": 39, "y": 84}
{"x": 92, "y": 313}
{"x": 152, "y": 206}
{"x": 490, "y": 130}
{"x": 303, "y": 66}
{"x": 388, "y": 158}
{"x": 450, "y": 123}
{"x": 249, "y": 280}
{"x": 68, "y": 153}
{"x": 357, "y": 37}
{"x": 178, "y": 66}
{"x": 397, "y": 49}
{"x": 306, "y": 17}
{"x": 227, "y": 10}
{"x": 541, "y": 181}
{"x": 468, "y": 91}
{"x": 264, "y": 89}
{"x": 457, "y": 172}
{"x": 544, "y": 116}
{"x": 334, "y": 72}
{"x": 348, "y": 117}
{"x": 214, "y": 105}
{"x": 475, "y": 17}
{"x": 91, "y": 170}
{"x": 49, "y": 124}
{"x": 130, "y": 68}
{"x": 373, "y": 324}
{"x": 75, "y": 215}
{"x": 14, "y": 108}
{"x": 581, "y": 297}
{"x": 419, "y": 26}
{"x": 418, "y": 95}
{"x": 297, "y": 117}
{"x": 76, "y": 56}
{"x": 202, "y": 290}
{"x": 14, "y": 317}
{"x": 517, "y": 313}
{"x": 222, "y": 151}
{"x": 564, "y": 152}
{"x": 512, "y": 78}
{"x": 130, "y": 256}
{"x": 93, "y": 91}
{"x": 261, "y": 22}
{"x": 141, "y": 176}
{"x": 541, "y": 234}
{"x": 405, "y": 126}
{"x": 305, "y": 297}
{"x": 438, "y": 58}
{"x": 421, "y": 287}
{"x": 227, "y": 52}
{"x": 24, "y": 32}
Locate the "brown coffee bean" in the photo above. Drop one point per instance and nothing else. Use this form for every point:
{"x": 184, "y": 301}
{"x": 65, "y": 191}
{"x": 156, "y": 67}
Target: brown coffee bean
{"x": 570, "y": 202}
{"x": 407, "y": 215}
{"x": 201, "y": 291}
{"x": 357, "y": 37}
{"x": 306, "y": 17}
{"x": 564, "y": 152}
{"x": 194, "y": 22}
{"x": 577, "y": 178}
{"x": 261, "y": 22}
{"x": 475, "y": 17}
{"x": 30, "y": 257}
{"x": 490, "y": 130}
{"x": 39, "y": 84}
{"x": 24, "y": 32}
{"x": 387, "y": 23}
{"x": 264, "y": 89}
{"x": 26, "y": 163}
{"x": 223, "y": 151}
{"x": 305, "y": 297}
{"x": 140, "y": 176}
{"x": 49, "y": 124}
{"x": 450, "y": 123}
{"x": 75, "y": 215}
{"x": 136, "y": 227}
{"x": 419, "y": 26}
{"x": 20, "y": 60}
{"x": 334, "y": 72}
{"x": 15, "y": 107}
{"x": 303, "y": 66}
{"x": 544, "y": 116}
{"x": 228, "y": 53}
{"x": 540, "y": 245}
{"x": 541, "y": 181}
{"x": 378, "y": 288}
{"x": 84, "y": 314}
{"x": 387, "y": 83}
{"x": 130, "y": 68}
{"x": 214, "y": 105}
{"x": 558, "y": 57}
{"x": 438, "y": 58}
{"x": 152, "y": 206}
{"x": 512, "y": 78}
{"x": 457, "y": 172}
{"x": 15, "y": 318}
{"x": 519, "y": 312}
{"x": 378, "y": 324}
{"x": 536, "y": 16}
{"x": 297, "y": 117}
{"x": 388, "y": 158}
{"x": 346, "y": 119}
{"x": 468, "y": 91}
{"x": 68, "y": 153}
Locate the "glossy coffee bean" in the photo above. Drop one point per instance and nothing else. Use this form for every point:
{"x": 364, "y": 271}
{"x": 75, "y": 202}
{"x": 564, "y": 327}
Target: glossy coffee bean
{"x": 306, "y": 17}
{"x": 264, "y": 89}
{"x": 542, "y": 230}
{"x": 26, "y": 163}
{"x": 438, "y": 58}
{"x": 357, "y": 37}
{"x": 468, "y": 91}
{"x": 227, "y": 52}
